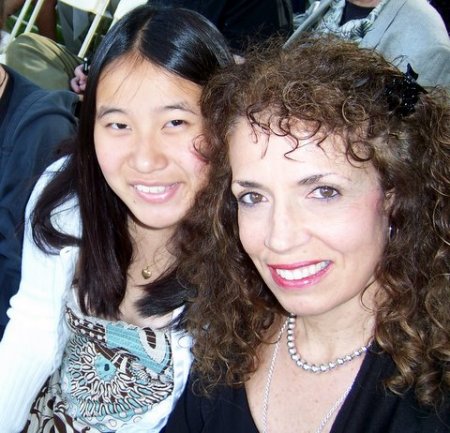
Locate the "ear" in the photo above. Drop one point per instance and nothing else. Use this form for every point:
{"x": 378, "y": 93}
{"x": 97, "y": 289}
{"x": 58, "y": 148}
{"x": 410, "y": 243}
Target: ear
{"x": 389, "y": 198}
{"x": 201, "y": 147}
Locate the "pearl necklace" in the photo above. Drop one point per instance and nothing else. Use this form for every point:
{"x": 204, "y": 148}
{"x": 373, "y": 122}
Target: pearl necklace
{"x": 313, "y": 368}
{"x": 265, "y": 410}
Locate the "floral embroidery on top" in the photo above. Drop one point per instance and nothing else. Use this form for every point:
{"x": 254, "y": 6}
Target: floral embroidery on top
{"x": 111, "y": 374}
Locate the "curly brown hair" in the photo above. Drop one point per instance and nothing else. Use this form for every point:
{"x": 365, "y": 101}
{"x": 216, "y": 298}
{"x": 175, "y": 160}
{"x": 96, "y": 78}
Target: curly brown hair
{"x": 340, "y": 89}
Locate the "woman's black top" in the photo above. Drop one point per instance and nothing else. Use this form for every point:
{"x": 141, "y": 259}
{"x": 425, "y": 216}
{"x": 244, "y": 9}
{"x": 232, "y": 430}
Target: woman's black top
{"x": 369, "y": 408}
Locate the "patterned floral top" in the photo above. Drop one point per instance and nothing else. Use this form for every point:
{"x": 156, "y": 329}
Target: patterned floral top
{"x": 111, "y": 374}
{"x": 353, "y": 30}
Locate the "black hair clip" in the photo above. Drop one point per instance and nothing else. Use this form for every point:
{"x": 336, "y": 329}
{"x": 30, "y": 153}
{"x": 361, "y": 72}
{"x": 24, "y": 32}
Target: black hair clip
{"x": 403, "y": 92}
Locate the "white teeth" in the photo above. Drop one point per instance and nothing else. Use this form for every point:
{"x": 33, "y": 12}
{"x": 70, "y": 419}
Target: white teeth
{"x": 304, "y": 272}
{"x": 151, "y": 189}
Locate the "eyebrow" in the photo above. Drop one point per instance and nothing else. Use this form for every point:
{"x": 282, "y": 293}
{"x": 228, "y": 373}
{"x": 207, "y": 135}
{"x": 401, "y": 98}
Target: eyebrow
{"x": 180, "y": 106}
{"x": 313, "y": 179}
{"x": 247, "y": 184}
{"x": 105, "y": 110}
{"x": 310, "y": 180}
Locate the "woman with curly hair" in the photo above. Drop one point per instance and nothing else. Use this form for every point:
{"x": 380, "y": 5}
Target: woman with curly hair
{"x": 320, "y": 249}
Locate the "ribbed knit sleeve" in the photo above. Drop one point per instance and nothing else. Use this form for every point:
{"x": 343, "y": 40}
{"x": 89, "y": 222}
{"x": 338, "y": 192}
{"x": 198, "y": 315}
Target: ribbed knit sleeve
{"x": 35, "y": 337}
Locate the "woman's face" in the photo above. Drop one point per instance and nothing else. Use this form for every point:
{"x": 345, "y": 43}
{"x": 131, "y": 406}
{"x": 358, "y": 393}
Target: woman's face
{"x": 312, "y": 223}
{"x": 147, "y": 120}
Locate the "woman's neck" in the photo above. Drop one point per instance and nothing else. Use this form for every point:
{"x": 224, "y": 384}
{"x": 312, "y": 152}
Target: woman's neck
{"x": 335, "y": 333}
{"x": 331, "y": 341}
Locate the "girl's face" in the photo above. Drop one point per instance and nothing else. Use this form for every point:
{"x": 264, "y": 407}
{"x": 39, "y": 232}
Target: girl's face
{"x": 147, "y": 120}
{"x": 313, "y": 224}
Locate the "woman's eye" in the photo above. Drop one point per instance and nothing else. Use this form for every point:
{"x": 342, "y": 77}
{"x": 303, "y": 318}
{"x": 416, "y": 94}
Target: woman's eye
{"x": 324, "y": 192}
{"x": 251, "y": 198}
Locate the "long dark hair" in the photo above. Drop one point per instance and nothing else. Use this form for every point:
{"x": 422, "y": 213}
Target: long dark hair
{"x": 180, "y": 41}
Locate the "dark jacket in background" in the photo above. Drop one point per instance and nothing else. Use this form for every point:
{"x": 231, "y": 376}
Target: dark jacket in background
{"x": 33, "y": 122}
{"x": 242, "y": 22}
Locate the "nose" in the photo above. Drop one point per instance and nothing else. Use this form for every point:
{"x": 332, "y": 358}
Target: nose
{"x": 148, "y": 154}
{"x": 288, "y": 228}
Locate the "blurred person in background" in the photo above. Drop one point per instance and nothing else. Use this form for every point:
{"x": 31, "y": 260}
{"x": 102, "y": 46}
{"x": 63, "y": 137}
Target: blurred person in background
{"x": 403, "y": 31}
{"x": 33, "y": 121}
{"x": 243, "y": 23}
{"x": 45, "y": 21}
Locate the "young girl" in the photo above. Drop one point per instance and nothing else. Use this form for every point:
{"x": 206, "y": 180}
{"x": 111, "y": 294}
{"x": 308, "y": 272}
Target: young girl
{"x": 88, "y": 347}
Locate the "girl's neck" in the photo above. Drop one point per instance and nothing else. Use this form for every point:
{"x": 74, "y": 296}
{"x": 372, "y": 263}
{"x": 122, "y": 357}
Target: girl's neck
{"x": 151, "y": 242}
{"x": 150, "y": 251}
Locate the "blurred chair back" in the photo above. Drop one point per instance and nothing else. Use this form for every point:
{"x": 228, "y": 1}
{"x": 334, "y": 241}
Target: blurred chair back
{"x": 21, "y": 21}
{"x": 96, "y": 7}
{"x": 124, "y": 7}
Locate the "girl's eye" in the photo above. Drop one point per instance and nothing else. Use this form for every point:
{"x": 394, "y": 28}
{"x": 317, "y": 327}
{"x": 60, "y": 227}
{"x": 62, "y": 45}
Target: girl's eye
{"x": 324, "y": 193}
{"x": 174, "y": 123}
{"x": 118, "y": 126}
{"x": 250, "y": 198}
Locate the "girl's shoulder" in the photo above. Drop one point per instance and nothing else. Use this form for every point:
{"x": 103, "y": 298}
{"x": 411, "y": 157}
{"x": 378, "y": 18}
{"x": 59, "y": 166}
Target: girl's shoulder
{"x": 66, "y": 216}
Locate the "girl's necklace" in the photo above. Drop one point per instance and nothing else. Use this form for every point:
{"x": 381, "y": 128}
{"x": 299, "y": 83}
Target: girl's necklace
{"x": 265, "y": 408}
{"x": 146, "y": 271}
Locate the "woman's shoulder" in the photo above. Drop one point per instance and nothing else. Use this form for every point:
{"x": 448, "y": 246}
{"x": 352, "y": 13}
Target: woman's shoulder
{"x": 225, "y": 409}
{"x": 395, "y": 413}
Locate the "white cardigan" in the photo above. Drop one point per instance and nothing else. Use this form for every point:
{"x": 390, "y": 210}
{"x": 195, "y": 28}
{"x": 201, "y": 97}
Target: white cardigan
{"x": 34, "y": 340}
